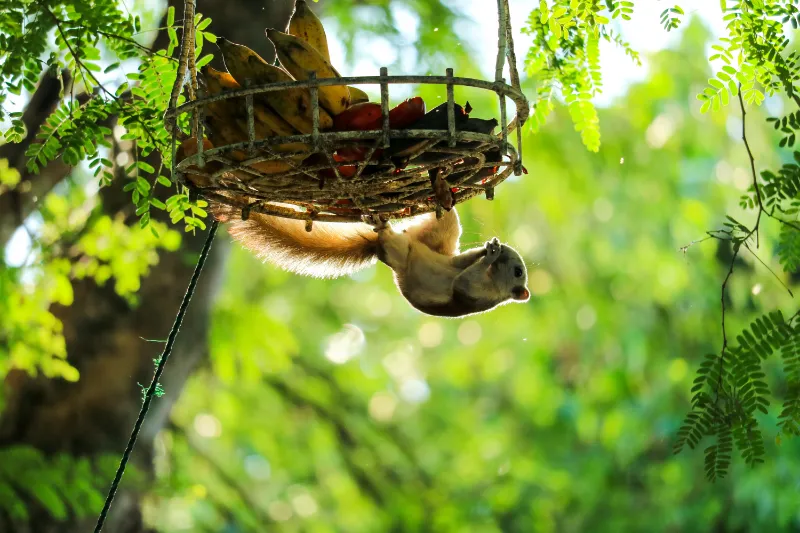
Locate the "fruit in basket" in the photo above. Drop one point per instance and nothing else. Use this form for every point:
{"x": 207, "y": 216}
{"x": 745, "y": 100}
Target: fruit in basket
{"x": 301, "y": 59}
{"x": 436, "y": 119}
{"x": 357, "y": 96}
{"x": 357, "y": 153}
{"x": 368, "y": 116}
{"x": 228, "y": 118}
{"x": 305, "y": 25}
{"x": 267, "y": 122}
{"x": 345, "y": 171}
{"x": 271, "y": 167}
{"x": 225, "y": 131}
{"x": 358, "y": 117}
{"x": 407, "y": 113}
{"x": 293, "y": 105}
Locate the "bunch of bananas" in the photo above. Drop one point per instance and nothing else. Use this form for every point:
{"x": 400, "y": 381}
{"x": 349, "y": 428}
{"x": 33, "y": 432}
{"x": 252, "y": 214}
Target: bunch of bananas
{"x": 301, "y": 52}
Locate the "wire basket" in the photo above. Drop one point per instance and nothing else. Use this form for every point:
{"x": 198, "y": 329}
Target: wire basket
{"x": 394, "y": 178}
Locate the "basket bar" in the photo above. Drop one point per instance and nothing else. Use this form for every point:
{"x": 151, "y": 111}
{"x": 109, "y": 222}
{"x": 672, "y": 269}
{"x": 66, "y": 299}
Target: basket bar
{"x": 314, "y": 112}
{"x": 455, "y": 155}
{"x": 451, "y": 113}
{"x": 417, "y": 208}
{"x": 501, "y": 39}
{"x": 278, "y": 185}
{"x": 503, "y": 119}
{"x": 199, "y": 133}
{"x": 497, "y": 87}
{"x": 385, "y": 107}
{"x": 251, "y": 122}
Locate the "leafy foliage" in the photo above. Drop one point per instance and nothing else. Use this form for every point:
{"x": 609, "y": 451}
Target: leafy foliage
{"x": 79, "y": 129}
{"x": 76, "y": 241}
{"x": 63, "y": 486}
{"x": 754, "y": 53}
{"x": 728, "y": 391}
{"x": 670, "y": 17}
{"x": 436, "y": 45}
{"x": 598, "y": 385}
{"x": 731, "y": 386}
{"x": 565, "y": 58}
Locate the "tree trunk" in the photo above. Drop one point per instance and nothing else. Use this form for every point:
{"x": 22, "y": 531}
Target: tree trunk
{"x": 104, "y": 335}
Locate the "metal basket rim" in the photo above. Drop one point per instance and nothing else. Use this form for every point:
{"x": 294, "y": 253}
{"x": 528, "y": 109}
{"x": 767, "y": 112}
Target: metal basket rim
{"x": 323, "y": 141}
{"x": 498, "y": 87}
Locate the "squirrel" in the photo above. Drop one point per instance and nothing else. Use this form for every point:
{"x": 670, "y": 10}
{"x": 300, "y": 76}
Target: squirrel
{"x": 430, "y": 272}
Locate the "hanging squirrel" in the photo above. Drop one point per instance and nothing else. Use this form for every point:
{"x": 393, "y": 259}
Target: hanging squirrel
{"x": 430, "y": 272}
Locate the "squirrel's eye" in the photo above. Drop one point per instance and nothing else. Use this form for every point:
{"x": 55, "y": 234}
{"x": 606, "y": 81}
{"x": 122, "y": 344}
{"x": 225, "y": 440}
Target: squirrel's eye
{"x": 518, "y": 272}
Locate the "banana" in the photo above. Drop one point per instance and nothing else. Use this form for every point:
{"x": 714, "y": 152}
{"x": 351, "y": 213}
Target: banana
{"x": 189, "y": 147}
{"x": 357, "y": 96}
{"x": 305, "y": 25}
{"x": 293, "y": 105}
{"x": 301, "y": 59}
{"x": 267, "y": 122}
{"x": 225, "y": 132}
{"x": 231, "y": 119}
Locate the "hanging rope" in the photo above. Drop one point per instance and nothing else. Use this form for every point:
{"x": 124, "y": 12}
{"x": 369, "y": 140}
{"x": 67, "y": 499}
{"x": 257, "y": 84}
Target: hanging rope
{"x": 159, "y": 369}
{"x": 185, "y": 61}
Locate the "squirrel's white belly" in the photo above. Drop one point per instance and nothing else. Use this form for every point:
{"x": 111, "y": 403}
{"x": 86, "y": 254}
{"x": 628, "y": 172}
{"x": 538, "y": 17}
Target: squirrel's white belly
{"x": 429, "y": 275}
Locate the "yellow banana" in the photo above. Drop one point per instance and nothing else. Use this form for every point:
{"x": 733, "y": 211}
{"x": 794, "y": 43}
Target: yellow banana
{"x": 305, "y": 25}
{"x": 301, "y": 59}
{"x": 357, "y": 96}
{"x": 267, "y": 122}
{"x": 293, "y": 105}
{"x": 189, "y": 147}
{"x": 228, "y": 118}
{"x": 217, "y": 82}
{"x": 225, "y": 131}
{"x": 241, "y": 125}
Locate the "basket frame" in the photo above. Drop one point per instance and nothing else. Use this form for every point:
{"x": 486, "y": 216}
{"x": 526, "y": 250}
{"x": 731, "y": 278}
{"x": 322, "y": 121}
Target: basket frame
{"x": 324, "y": 142}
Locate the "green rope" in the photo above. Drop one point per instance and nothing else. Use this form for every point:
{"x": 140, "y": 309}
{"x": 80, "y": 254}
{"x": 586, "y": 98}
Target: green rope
{"x": 159, "y": 369}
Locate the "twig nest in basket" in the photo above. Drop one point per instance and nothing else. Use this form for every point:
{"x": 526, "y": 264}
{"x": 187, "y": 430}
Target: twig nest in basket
{"x": 345, "y": 187}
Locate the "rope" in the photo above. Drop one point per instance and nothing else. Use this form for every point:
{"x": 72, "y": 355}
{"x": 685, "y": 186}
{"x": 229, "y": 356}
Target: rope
{"x": 510, "y": 54}
{"x": 187, "y": 45}
{"x": 159, "y": 369}
{"x": 502, "y": 33}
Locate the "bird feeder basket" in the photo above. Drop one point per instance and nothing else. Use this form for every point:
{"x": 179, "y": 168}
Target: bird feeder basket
{"x": 314, "y": 186}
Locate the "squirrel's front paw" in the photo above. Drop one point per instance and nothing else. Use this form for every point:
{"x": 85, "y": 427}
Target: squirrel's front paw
{"x": 376, "y": 222}
{"x": 493, "y": 249}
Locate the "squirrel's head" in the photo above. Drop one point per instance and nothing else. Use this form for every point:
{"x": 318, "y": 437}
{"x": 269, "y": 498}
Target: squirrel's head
{"x": 510, "y": 275}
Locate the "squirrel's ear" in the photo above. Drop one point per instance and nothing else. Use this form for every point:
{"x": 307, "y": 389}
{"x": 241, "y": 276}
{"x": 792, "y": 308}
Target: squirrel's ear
{"x": 521, "y": 294}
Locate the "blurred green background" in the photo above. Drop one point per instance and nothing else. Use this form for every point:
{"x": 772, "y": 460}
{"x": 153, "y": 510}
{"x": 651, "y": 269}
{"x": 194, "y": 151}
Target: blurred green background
{"x": 330, "y": 406}
{"x": 333, "y": 406}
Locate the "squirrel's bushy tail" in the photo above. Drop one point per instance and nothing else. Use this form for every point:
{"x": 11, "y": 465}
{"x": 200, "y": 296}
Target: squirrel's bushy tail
{"x": 329, "y": 250}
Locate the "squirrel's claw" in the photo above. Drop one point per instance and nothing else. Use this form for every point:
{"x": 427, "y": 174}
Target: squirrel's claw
{"x": 376, "y": 221}
{"x": 492, "y": 250}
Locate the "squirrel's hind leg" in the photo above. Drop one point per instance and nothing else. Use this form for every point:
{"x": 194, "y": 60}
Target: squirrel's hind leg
{"x": 440, "y": 235}
{"x": 393, "y": 247}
